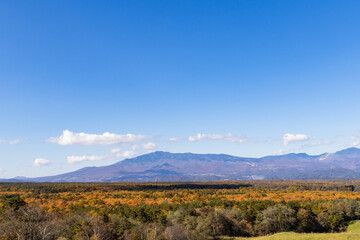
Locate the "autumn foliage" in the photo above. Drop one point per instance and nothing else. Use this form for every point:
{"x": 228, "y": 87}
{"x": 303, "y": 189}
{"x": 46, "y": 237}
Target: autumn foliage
{"x": 204, "y": 210}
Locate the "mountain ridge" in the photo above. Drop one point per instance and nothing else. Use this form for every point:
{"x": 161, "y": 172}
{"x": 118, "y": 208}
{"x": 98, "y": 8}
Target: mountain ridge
{"x": 166, "y": 166}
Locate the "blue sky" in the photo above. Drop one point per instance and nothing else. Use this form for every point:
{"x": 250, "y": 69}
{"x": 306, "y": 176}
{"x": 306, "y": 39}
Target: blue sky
{"x": 248, "y": 78}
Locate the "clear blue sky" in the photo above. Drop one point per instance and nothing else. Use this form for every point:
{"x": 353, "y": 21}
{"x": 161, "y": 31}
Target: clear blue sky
{"x": 243, "y": 74}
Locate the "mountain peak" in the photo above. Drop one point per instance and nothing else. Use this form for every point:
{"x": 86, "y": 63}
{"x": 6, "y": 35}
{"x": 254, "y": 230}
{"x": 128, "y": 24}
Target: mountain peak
{"x": 352, "y": 150}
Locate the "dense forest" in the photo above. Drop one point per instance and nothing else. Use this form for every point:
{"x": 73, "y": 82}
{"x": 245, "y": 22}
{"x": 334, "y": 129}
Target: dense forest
{"x": 175, "y": 211}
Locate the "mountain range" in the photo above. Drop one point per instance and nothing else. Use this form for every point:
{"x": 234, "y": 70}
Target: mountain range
{"x": 165, "y": 166}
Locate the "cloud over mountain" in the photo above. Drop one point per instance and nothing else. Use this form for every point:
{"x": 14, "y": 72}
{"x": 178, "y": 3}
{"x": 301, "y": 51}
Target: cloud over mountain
{"x": 149, "y": 146}
{"x": 84, "y": 158}
{"x": 228, "y": 137}
{"x": 69, "y": 138}
{"x": 356, "y": 140}
{"x": 291, "y": 138}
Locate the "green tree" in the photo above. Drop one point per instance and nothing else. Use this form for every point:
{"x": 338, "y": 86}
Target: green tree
{"x": 14, "y": 202}
{"x": 278, "y": 218}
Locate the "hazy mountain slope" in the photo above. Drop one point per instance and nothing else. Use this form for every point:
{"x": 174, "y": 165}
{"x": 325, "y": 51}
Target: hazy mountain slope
{"x": 165, "y": 166}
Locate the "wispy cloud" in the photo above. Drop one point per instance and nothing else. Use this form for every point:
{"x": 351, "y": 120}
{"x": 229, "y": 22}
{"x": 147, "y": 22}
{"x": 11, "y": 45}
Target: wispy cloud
{"x": 84, "y": 158}
{"x": 127, "y": 154}
{"x": 201, "y": 136}
{"x": 10, "y": 142}
{"x": 69, "y": 138}
{"x": 355, "y": 140}
{"x": 149, "y": 146}
{"x": 41, "y": 162}
{"x": 174, "y": 139}
{"x": 291, "y": 138}
{"x": 134, "y": 151}
{"x": 228, "y": 137}
{"x": 115, "y": 154}
{"x": 315, "y": 144}
{"x": 115, "y": 150}
{"x": 280, "y": 152}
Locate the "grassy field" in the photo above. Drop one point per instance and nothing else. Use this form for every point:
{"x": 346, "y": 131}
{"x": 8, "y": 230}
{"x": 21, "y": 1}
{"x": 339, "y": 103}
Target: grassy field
{"x": 353, "y": 232}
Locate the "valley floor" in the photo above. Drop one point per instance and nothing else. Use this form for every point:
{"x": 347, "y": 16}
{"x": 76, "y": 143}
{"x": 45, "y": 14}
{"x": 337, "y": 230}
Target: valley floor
{"x": 352, "y": 233}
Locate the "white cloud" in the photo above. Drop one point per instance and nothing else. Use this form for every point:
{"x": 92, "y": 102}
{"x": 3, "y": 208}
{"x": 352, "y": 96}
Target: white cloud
{"x": 228, "y": 137}
{"x": 115, "y": 153}
{"x": 290, "y": 138}
{"x": 40, "y": 162}
{"x": 84, "y": 158}
{"x": 201, "y": 136}
{"x": 149, "y": 146}
{"x": 69, "y": 138}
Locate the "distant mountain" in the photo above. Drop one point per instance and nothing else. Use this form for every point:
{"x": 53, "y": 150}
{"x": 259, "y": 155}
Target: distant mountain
{"x": 165, "y": 166}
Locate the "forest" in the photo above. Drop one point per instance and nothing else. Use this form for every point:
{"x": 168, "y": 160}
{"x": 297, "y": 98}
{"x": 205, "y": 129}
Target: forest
{"x": 175, "y": 211}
